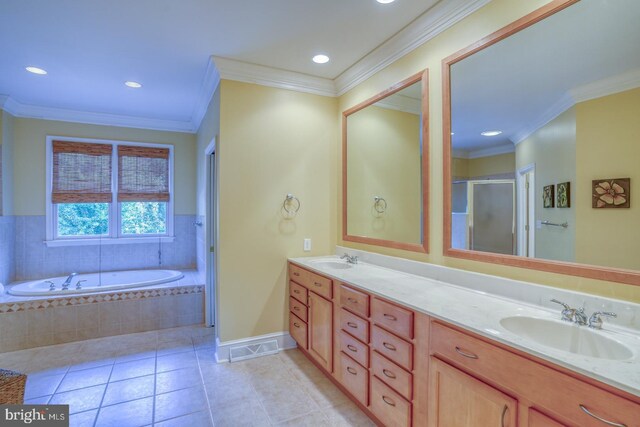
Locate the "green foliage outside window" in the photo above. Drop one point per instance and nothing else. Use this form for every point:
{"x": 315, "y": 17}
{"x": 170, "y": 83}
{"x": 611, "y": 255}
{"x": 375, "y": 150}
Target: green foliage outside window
{"x": 144, "y": 217}
{"x": 83, "y": 219}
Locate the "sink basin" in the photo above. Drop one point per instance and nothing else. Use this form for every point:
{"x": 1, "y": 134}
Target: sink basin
{"x": 567, "y": 337}
{"x": 332, "y": 263}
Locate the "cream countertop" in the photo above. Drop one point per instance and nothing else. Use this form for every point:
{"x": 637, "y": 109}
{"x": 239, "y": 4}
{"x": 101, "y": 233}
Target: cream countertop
{"x": 481, "y": 312}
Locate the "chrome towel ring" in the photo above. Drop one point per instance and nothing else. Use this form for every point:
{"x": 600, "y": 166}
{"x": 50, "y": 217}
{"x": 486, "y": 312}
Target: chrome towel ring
{"x": 379, "y": 204}
{"x": 291, "y": 204}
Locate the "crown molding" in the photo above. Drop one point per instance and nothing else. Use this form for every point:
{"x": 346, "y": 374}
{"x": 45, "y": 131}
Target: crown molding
{"x": 427, "y": 26}
{"x": 401, "y": 103}
{"x": 18, "y": 109}
{"x": 598, "y": 89}
{"x": 210, "y": 84}
{"x": 230, "y": 69}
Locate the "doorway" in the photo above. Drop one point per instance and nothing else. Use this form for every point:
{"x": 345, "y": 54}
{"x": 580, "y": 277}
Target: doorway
{"x": 211, "y": 234}
{"x": 526, "y": 209}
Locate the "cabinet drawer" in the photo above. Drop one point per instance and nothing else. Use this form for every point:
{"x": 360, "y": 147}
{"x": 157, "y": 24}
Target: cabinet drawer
{"x": 354, "y": 378}
{"x": 298, "y": 292}
{"x": 392, "y": 375}
{"x": 298, "y": 330}
{"x": 319, "y": 284}
{"x": 355, "y": 301}
{"x": 561, "y": 395}
{"x": 388, "y": 406}
{"x": 354, "y": 348}
{"x": 354, "y": 325}
{"x": 397, "y": 320}
{"x": 392, "y": 347}
{"x": 298, "y": 308}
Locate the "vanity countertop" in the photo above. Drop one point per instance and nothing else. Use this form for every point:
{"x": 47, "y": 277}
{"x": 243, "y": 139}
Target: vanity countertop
{"x": 481, "y": 312}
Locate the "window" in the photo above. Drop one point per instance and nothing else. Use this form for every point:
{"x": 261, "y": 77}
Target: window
{"x": 113, "y": 191}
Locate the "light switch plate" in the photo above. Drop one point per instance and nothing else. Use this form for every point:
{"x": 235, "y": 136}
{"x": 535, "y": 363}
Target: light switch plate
{"x": 307, "y": 245}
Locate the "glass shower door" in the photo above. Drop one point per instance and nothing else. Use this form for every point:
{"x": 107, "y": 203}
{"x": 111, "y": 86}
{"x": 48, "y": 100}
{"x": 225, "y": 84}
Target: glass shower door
{"x": 492, "y": 216}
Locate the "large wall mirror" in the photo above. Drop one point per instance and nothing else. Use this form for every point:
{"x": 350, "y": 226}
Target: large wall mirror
{"x": 542, "y": 143}
{"x": 384, "y": 176}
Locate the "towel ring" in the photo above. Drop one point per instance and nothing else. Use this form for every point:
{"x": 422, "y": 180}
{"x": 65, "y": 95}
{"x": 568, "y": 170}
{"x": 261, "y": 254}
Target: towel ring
{"x": 288, "y": 201}
{"x": 379, "y": 204}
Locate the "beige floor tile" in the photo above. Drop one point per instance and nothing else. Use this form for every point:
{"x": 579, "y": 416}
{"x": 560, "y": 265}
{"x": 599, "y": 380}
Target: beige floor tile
{"x": 133, "y": 369}
{"x": 80, "y": 400}
{"x": 347, "y": 415}
{"x": 181, "y": 402}
{"x": 314, "y": 419}
{"x": 177, "y": 361}
{"x": 224, "y": 392}
{"x": 83, "y": 419}
{"x": 197, "y": 419}
{"x": 241, "y": 413}
{"x": 178, "y": 379}
{"x": 131, "y": 389}
{"x": 287, "y": 404}
{"x": 324, "y": 393}
{"x": 41, "y": 385}
{"x": 135, "y": 413}
{"x": 85, "y": 378}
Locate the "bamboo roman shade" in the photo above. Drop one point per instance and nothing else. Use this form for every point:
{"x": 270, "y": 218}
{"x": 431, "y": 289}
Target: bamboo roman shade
{"x": 143, "y": 174}
{"x": 81, "y": 172}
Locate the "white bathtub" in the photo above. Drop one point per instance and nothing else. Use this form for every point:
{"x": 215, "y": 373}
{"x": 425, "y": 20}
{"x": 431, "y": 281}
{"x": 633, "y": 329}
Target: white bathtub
{"x": 96, "y": 282}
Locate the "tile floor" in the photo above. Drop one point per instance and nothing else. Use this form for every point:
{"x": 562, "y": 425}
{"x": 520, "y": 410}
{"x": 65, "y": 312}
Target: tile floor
{"x": 170, "y": 378}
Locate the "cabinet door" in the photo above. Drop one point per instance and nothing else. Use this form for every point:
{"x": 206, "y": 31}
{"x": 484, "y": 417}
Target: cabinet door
{"x": 459, "y": 400}
{"x": 321, "y": 330}
{"x": 538, "y": 419}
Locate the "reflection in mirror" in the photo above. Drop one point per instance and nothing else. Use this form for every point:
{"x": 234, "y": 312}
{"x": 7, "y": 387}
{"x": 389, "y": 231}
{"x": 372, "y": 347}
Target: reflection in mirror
{"x": 383, "y": 168}
{"x": 555, "y": 103}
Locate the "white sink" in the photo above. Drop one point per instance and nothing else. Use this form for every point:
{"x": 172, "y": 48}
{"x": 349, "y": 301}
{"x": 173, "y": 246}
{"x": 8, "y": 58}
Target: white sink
{"x": 567, "y": 337}
{"x": 332, "y": 263}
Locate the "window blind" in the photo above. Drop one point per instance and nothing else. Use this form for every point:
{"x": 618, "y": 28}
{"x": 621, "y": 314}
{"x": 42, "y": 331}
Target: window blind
{"x": 81, "y": 172}
{"x": 143, "y": 174}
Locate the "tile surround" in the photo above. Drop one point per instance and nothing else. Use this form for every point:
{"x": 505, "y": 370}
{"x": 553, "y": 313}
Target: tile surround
{"x": 34, "y": 260}
{"x": 201, "y": 392}
{"x": 7, "y": 252}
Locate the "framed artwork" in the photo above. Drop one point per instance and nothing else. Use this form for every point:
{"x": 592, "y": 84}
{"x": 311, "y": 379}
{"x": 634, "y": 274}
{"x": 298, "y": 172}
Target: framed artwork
{"x": 548, "y": 199}
{"x": 611, "y": 193}
{"x": 563, "y": 195}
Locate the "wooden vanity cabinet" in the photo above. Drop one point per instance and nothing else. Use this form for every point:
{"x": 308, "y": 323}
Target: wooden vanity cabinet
{"x": 321, "y": 330}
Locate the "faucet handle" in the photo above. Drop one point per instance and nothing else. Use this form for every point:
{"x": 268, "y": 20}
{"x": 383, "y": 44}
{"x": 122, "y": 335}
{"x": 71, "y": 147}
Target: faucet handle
{"x": 78, "y": 286}
{"x": 564, "y": 304}
{"x": 595, "y": 321}
{"x": 568, "y": 313}
{"x": 52, "y": 286}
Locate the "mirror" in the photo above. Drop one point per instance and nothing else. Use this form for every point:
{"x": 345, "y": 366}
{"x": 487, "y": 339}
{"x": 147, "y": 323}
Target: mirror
{"x": 543, "y": 162}
{"x": 384, "y": 171}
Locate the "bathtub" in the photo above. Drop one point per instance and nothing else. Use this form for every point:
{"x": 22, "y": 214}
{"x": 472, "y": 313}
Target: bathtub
{"x": 96, "y": 282}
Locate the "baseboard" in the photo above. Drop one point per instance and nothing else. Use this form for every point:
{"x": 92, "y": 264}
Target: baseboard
{"x": 284, "y": 339}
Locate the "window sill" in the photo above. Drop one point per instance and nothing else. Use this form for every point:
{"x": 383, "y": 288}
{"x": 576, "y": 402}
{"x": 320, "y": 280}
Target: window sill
{"x": 109, "y": 241}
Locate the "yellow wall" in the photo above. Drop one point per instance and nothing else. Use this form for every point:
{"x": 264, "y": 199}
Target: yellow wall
{"x": 608, "y": 136}
{"x": 7, "y": 144}
{"x": 480, "y": 167}
{"x": 490, "y": 18}
{"x": 552, "y": 149}
{"x": 30, "y": 159}
{"x": 209, "y": 129}
{"x": 272, "y": 142}
{"x": 384, "y": 160}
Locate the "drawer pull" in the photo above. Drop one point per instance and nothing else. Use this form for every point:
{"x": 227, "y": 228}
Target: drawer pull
{"x": 317, "y": 284}
{"x": 388, "y": 401}
{"x": 352, "y": 348}
{"x": 465, "y": 354}
{"x": 389, "y": 374}
{"x": 296, "y": 274}
{"x": 591, "y": 414}
{"x": 352, "y": 325}
{"x": 389, "y": 346}
{"x": 351, "y": 370}
{"x": 390, "y": 317}
{"x": 296, "y": 291}
{"x": 504, "y": 412}
{"x": 296, "y": 308}
{"x": 352, "y": 300}
{"x": 296, "y": 325}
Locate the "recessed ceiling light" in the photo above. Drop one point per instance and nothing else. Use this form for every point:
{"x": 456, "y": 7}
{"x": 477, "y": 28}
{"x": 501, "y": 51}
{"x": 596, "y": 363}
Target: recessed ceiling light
{"x": 36, "y": 70}
{"x": 385, "y": 1}
{"x": 320, "y": 59}
{"x": 491, "y": 133}
{"x": 132, "y": 84}
{"x": 453, "y": 133}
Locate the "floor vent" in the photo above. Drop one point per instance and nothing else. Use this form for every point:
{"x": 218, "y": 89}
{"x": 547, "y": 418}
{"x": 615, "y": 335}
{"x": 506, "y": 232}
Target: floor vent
{"x": 244, "y": 352}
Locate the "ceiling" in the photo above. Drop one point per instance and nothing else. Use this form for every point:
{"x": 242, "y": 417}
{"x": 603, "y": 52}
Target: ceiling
{"x": 521, "y": 83}
{"x": 89, "y": 48}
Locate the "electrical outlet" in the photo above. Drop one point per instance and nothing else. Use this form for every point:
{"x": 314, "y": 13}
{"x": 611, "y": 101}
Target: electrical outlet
{"x": 307, "y": 245}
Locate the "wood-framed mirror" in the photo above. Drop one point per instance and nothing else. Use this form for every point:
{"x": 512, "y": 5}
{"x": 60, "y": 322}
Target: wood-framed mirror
{"x": 541, "y": 143}
{"x": 385, "y": 174}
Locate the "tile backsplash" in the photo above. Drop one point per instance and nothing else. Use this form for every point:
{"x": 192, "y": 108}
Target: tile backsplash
{"x": 33, "y": 259}
{"x": 7, "y": 252}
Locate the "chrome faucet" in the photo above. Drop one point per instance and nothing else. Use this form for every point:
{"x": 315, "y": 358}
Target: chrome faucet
{"x": 595, "y": 321}
{"x": 67, "y": 282}
{"x": 350, "y": 259}
{"x": 568, "y": 313}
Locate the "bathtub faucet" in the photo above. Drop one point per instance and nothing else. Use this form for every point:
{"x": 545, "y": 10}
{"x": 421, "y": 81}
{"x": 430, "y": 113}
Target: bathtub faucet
{"x": 66, "y": 283}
